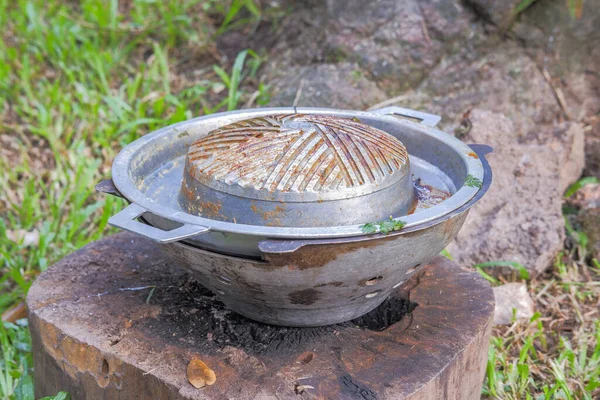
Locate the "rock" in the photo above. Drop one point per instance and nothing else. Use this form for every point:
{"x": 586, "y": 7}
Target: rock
{"x": 386, "y": 38}
{"x": 449, "y": 21}
{"x": 592, "y": 148}
{"x": 567, "y": 140}
{"x": 589, "y": 220}
{"x": 300, "y": 37}
{"x": 520, "y": 219}
{"x": 566, "y": 46}
{"x": 397, "y": 42}
{"x": 581, "y": 93}
{"x": 500, "y": 13}
{"x": 512, "y": 296}
{"x": 490, "y": 79}
{"x": 561, "y": 43}
{"x": 441, "y": 51}
{"x": 323, "y": 85}
{"x": 363, "y": 16}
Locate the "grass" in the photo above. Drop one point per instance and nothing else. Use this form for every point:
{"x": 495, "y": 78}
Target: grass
{"x": 79, "y": 80}
{"x": 77, "y": 83}
{"x": 230, "y": 11}
{"x": 555, "y": 354}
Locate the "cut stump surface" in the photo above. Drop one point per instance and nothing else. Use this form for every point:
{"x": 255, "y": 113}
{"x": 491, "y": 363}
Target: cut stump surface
{"x": 118, "y": 320}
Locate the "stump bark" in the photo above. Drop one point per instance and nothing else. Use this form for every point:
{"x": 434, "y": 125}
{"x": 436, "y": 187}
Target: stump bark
{"x": 118, "y": 320}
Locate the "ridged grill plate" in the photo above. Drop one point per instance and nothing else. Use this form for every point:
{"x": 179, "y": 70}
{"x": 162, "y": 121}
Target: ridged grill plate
{"x": 297, "y": 158}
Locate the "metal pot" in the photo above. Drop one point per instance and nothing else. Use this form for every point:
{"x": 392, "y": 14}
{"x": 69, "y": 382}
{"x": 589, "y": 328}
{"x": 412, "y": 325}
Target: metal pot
{"x": 307, "y": 275}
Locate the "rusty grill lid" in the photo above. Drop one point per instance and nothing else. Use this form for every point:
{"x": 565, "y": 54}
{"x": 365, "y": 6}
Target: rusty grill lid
{"x": 297, "y": 158}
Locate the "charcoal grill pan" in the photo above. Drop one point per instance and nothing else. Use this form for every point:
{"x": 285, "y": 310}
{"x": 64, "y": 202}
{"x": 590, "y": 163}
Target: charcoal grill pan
{"x": 292, "y": 286}
{"x": 313, "y": 279}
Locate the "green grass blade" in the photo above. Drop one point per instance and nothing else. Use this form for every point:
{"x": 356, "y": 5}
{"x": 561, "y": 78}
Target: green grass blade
{"x": 588, "y": 180}
{"x": 236, "y": 78}
{"x": 523, "y": 273}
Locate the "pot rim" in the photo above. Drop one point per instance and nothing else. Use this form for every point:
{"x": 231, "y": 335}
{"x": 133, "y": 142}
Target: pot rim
{"x": 193, "y": 225}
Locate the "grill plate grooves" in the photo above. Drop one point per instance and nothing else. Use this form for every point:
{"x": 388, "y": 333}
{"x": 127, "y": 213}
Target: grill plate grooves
{"x": 297, "y": 170}
{"x": 297, "y": 153}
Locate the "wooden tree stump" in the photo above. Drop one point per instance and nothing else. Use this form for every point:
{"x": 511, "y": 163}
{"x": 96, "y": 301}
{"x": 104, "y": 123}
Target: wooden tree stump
{"x": 117, "y": 320}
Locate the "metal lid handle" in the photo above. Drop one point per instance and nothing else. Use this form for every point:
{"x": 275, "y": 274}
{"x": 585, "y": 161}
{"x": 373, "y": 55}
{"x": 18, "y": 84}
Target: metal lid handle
{"x": 126, "y": 220}
{"x": 426, "y": 119}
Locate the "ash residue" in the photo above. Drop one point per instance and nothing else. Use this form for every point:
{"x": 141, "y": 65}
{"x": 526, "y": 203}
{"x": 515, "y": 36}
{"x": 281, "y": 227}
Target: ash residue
{"x": 192, "y": 314}
{"x": 391, "y": 311}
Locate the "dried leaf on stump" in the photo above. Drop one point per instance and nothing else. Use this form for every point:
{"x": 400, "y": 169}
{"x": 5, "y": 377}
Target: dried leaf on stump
{"x": 199, "y": 375}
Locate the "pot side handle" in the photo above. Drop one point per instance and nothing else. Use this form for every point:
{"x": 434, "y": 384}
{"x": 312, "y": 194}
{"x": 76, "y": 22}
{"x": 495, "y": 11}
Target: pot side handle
{"x": 127, "y": 220}
{"x": 425, "y": 119}
{"x": 107, "y": 186}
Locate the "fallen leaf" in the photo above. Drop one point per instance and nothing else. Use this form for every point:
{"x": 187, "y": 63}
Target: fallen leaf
{"x": 199, "y": 375}
{"x": 14, "y": 313}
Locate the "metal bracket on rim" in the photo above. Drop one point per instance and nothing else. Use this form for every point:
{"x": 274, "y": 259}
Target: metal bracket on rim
{"x": 126, "y": 220}
{"x": 107, "y": 186}
{"x": 426, "y": 119}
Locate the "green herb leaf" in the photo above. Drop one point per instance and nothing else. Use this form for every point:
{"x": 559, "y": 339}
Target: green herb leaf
{"x": 368, "y": 228}
{"x": 471, "y": 181}
{"x": 396, "y": 225}
{"x": 385, "y": 226}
